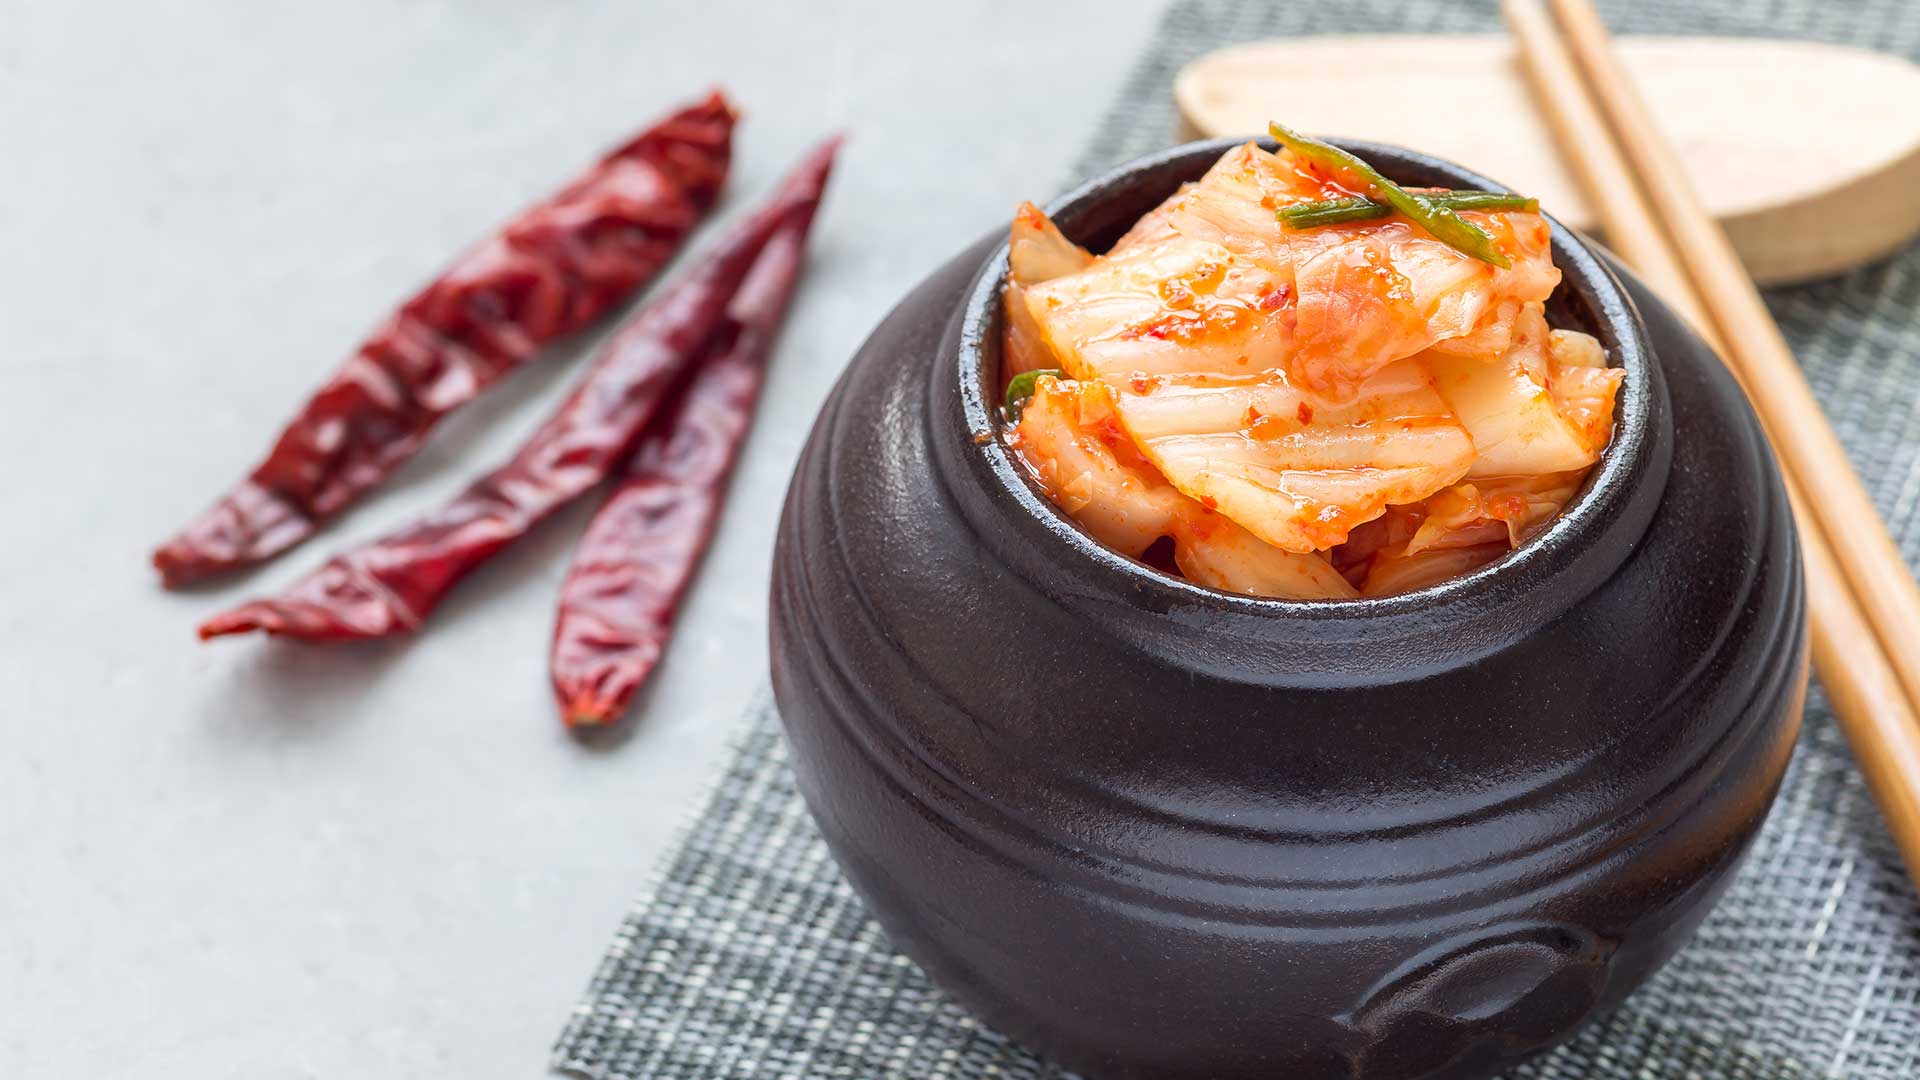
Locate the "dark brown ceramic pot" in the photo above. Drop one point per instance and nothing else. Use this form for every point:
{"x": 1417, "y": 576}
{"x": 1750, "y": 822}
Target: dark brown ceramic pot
{"x": 1155, "y": 830}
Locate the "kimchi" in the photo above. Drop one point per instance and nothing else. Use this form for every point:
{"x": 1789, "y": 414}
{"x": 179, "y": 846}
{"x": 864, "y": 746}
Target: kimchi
{"x": 1296, "y": 379}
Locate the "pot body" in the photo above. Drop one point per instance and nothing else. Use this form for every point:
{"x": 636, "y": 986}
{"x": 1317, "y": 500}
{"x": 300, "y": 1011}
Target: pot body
{"x": 1152, "y": 830}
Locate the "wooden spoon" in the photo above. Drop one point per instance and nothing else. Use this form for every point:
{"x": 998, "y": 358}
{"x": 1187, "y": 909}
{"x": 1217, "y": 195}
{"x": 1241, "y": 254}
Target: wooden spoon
{"x": 1808, "y": 154}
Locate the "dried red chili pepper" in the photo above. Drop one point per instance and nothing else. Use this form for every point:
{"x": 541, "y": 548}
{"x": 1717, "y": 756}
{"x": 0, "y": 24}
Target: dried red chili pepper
{"x": 552, "y": 270}
{"x": 392, "y": 584}
{"x": 638, "y": 554}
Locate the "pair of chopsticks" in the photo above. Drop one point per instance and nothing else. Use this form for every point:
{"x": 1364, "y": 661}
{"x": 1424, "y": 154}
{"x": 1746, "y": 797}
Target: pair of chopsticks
{"x": 1863, "y": 603}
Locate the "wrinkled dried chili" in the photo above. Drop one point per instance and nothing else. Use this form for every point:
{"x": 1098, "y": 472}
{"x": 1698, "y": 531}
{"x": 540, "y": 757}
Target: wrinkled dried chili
{"x": 392, "y": 584}
{"x": 635, "y": 560}
{"x": 555, "y": 268}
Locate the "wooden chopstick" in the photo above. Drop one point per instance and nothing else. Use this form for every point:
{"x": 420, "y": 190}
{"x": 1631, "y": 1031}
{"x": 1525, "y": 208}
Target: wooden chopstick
{"x": 1584, "y": 140}
{"x": 1882, "y": 581}
{"x": 1869, "y": 698}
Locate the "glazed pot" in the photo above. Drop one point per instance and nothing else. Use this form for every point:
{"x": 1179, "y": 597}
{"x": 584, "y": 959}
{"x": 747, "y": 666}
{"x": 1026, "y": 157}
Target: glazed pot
{"x": 1150, "y": 829}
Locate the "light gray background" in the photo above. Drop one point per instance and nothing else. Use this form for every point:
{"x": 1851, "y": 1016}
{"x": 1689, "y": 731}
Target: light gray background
{"x": 260, "y": 860}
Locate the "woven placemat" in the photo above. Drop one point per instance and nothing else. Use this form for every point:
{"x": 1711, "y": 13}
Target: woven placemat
{"x": 753, "y": 958}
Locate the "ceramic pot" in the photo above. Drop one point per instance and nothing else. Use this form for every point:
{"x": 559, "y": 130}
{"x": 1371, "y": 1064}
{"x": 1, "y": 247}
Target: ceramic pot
{"x": 1150, "y": 829}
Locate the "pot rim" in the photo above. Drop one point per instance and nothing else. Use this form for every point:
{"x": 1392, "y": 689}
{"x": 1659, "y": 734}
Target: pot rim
{"x": 1586, "y": 283}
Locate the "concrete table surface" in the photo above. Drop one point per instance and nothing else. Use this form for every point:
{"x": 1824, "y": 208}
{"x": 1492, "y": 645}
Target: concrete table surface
{"x": 252, "y": 859}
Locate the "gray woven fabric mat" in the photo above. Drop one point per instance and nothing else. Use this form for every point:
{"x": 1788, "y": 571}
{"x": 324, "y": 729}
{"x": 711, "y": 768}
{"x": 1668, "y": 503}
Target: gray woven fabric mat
{"x": 753, "y": 958}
